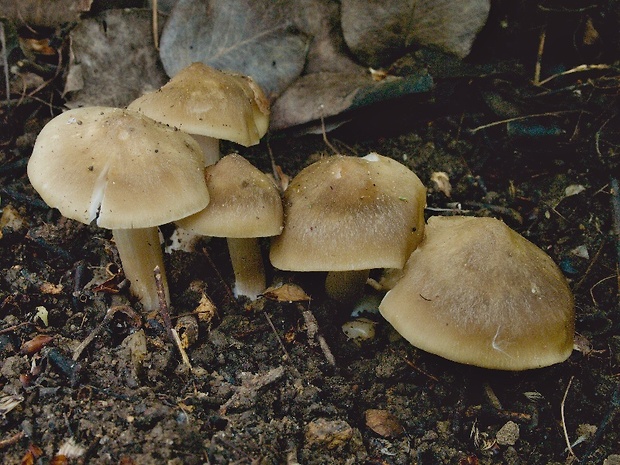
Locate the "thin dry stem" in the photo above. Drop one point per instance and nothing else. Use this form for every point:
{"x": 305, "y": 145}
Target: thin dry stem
{"x": 568, "y": 444}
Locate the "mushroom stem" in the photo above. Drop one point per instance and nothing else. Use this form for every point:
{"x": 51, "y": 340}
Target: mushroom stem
{"x": 247, "y": 263}
{"x": 140, "y": 252}
{"x": 346, "y": 286}
{"x": 210, "y": 148}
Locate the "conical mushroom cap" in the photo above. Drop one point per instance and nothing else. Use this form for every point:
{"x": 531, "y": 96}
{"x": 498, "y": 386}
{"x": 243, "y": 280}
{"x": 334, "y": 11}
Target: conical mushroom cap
{"x": 244, "y": 203}
{"x": 477, "y": 292}
{"x": 208, "y": 102}
{"x": 347, "y": 213}
{"x": 118, "y": 167}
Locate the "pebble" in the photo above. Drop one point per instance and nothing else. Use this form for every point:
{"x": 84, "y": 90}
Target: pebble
{"x": 328, "y": 433}
{"x": 508, "y": 434}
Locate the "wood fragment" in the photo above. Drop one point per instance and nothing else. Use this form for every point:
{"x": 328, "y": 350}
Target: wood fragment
{"x": 173, "y": 335}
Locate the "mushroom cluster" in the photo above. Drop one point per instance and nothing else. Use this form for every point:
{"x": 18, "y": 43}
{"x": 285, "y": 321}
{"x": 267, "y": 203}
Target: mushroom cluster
{"x": 132, "y": 170}
{"x": 469, "y": 289}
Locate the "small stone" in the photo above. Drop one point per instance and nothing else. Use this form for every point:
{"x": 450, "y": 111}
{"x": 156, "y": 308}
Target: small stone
{"x": 613, "y": 459}
{"x": 508, "y": 434}
{"x": 383, "y": 423}
{"x": 328, "y": 433}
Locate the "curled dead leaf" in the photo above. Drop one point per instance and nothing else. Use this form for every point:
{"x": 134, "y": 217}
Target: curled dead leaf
{"x": 35, "y": 344}
{"x": 286, "y": 293}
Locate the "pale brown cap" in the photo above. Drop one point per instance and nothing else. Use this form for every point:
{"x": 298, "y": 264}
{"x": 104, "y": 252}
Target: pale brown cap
{"x": 244, "y": 203}
{"x": 205, "y": 101}
{"x": 477, "y": 292}
{"x": 118, "y": 167}
{"x": 347, "y": 213}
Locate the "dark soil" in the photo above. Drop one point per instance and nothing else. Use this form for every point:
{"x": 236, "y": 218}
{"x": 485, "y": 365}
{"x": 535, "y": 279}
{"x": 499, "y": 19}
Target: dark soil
{"x": 262, "y": 388}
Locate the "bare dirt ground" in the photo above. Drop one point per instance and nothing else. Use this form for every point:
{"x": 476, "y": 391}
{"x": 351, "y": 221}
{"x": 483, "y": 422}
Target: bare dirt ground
{"x": 263, "y": 388}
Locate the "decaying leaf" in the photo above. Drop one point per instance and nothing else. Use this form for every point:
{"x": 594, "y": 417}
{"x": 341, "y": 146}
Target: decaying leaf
{"x": 323, "y": 95}
{"x": 43, "y": 12}
{"x": 286, "y": 293}
{"x": 113, "y": 59}
{"x": 187, "y": 328}
{"x": 256, "y": 38}
{"x": 320, "y": 19}
{"x": 378, "y": 31}
{"x": 383, "y": 423}
{"x": 35, "y": 344}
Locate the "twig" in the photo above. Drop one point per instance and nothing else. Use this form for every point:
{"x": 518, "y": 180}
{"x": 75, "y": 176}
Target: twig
{"x": 108, "y": 316}
{"x": 615, "y": 212}
{"x": 568, "y": 444}
{"x": 5, "y": 65}
{"x": 312, "y": 328}
{"x": 165, "y": 314}
{"x": 541, "y": 49}
{"x": 155, "y": 24}
{"x": 16, "y": 437}
{"x": 576, "y": 69}
{"x": 520, "y": 118}
{"x": 324, "y": 134}
{"x": 268, "y": 318}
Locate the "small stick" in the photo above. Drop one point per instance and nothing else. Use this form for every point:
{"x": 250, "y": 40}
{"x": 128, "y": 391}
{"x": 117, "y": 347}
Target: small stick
{"x": 313, "y": 333}
{"x": 520, "y": 118}
{"x": 286, "y": 354}
{"x": 13, "y": 439}
{"x": 5, "y": 65}
{"x": 95, "y": 332}
{"x": 165, "y": 314}
{"x": 568, "y": 444}
{"x": 576, "y": 69}
{"x": 615, "y": 212}
{"x": 155, "y": 24}
{"x": 541, "y": 49}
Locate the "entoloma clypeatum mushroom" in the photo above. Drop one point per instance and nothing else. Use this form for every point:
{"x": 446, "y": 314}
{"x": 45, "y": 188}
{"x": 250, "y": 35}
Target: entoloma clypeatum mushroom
{"x": 210, "y": 105}
{"x": 125, "y": 172}
{"x": 245, "y": 205}
{"x": 347, "y": 215}
{"x": 477, "y": 292}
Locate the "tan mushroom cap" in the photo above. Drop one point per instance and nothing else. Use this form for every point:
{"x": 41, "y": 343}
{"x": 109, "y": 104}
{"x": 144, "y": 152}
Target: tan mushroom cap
{"x": 244, "y": 203}
{"x": 205, "y": 101}
{"x": 118, "y": 167}
{"x": 347, "y": 213}
{"x": 477, "y": 292}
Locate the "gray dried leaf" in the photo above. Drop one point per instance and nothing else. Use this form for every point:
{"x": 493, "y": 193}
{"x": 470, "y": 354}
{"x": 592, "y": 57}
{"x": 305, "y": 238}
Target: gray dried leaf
{"x": 323, "y": 95}
{"x": 379, "y": 31}
{"x": 43, "y": 12}
{"x": 257, "y": 38}
{"x": 113, "y": 59}
{"x": 320, "y": 19}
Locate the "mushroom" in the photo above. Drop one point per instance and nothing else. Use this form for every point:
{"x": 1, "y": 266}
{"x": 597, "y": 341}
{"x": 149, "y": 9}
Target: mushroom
{"x": 127, "y": 172}
{"x": 210, "y": 105}
{"x": 347, "y": 215}
{"x": 245, "y": 205}
{"x": 477, "y": 292}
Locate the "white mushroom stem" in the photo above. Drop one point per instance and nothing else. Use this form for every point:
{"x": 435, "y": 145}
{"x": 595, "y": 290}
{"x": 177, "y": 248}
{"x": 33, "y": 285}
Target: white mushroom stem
{"x": 140, "y": 252}
{"x": 210, "y": 148}
{"x": 346, "y": 286}
{"x": 247, "y": 263}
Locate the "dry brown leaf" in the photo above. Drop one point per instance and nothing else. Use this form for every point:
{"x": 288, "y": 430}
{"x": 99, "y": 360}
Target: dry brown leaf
{"x": 286, "y": 293}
